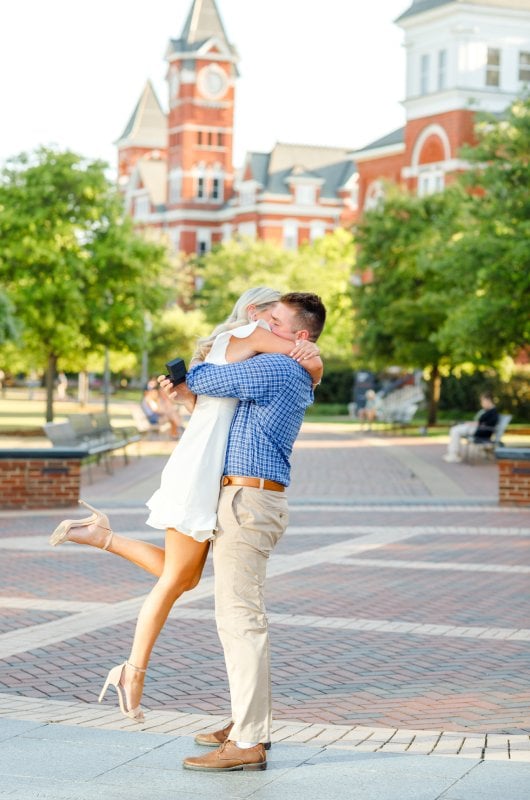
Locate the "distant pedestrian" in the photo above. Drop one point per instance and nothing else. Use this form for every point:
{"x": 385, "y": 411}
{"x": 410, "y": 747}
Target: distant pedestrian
{"x": 62, "y": 386}
{"x": 481, "y": 428}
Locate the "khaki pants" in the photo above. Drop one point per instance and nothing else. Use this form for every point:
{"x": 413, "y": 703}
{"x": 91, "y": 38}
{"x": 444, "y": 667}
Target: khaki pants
{"x": 456, "y": 433}
{"x": 250, "y": 523}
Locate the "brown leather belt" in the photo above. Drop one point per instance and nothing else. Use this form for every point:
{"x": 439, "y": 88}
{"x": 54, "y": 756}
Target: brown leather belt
{"x": 256, "y": 483}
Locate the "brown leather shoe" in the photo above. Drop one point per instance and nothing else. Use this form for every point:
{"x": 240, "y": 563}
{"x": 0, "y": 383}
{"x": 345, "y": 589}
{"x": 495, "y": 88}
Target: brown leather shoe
{"x": 219, "y": 737}
{"x": 229, "y": 758}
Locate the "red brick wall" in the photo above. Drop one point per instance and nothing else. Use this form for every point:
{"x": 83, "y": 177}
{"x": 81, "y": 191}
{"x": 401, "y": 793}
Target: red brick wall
{"x": 514, "y": 482}
{"x": 39, "y": 483}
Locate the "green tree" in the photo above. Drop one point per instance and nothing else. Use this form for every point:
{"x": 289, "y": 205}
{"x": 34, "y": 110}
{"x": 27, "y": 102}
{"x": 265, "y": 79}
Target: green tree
{"x": 78, "y": 275}
{"x": 323, "y": 267}
{"x": 175, "y": 335}
{"x": 399, "y": 310}
{"x": 8, "y": 328}
{"x": 489, "y": 317}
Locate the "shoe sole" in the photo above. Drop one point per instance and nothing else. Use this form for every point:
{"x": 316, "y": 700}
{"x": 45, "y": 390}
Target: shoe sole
{"x": 239, "y": 768}
{"x": 267, "y": 745}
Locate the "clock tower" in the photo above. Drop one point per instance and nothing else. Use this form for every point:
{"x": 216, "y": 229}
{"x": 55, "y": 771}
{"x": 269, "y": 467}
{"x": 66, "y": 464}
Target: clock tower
{"x": 201, "y": 75}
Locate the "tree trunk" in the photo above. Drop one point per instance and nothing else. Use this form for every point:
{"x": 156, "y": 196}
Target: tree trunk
{"x": 51, "y": 372}
{"x": 82, "y": 389}
{"x": 434, "y": 385}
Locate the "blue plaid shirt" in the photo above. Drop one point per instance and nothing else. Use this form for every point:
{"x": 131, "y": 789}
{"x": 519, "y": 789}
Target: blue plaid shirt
{"x": 273, "y": 392}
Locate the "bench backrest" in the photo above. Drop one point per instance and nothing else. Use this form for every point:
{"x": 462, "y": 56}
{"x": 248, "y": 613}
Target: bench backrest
{"x": 82, "y": 425}
{"x": 60, "y": 434}
{"x": 500, "y": 428}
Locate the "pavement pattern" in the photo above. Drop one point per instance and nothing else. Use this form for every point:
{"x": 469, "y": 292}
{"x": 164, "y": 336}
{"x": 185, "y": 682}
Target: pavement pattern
{"x": 399, "y": 608}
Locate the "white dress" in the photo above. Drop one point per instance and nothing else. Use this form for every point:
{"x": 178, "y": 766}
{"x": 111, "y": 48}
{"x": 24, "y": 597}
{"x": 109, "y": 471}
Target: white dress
{"x": 190, "y": 484}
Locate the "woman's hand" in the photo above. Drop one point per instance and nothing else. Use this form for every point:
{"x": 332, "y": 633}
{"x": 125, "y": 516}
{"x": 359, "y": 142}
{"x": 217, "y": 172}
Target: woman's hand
{"x": 180, "y": 393}
{"x": 304, "y": 349}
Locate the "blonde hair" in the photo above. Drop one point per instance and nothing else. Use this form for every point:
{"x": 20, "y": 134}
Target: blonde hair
{"x": 261, "y": 296}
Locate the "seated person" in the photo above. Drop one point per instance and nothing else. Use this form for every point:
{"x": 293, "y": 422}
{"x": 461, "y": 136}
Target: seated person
{"x": 480, "y": 428}
{"x": 159, "y": 409}
{"x": 369, "y": 411}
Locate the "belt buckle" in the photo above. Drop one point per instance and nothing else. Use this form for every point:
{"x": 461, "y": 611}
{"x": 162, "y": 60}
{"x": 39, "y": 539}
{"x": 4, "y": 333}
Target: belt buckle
{"x": 226, "y": 481}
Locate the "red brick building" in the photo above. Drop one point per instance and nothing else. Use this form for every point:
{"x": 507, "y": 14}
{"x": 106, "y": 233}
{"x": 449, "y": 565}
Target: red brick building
{"x": 176, "y": 168}
{"x": 463, "y": 56}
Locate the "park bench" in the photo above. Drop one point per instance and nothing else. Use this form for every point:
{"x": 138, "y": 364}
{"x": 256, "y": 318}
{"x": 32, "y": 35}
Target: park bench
{"x": 92, "y": 433}
{"x": 486, "y": 447}
{"x": 398, "y": 408}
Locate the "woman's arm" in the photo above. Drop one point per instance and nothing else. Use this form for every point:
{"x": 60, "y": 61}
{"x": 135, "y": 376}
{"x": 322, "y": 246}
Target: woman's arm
{"x": 262, "y": 340}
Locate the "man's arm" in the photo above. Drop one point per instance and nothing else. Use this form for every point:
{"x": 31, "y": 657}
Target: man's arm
{"x": 259, "y": 378}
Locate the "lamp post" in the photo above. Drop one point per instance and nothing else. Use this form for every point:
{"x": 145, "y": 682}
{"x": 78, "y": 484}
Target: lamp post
{"x": 148, "y": 327}
{"x": 106, "y": 367}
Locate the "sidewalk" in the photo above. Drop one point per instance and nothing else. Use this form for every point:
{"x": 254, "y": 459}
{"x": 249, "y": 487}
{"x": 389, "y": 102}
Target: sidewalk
{"x": 399, "y": 608}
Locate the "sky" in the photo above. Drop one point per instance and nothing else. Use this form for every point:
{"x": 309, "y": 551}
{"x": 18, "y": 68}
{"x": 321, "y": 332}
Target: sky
{"x": 326, "y": 72}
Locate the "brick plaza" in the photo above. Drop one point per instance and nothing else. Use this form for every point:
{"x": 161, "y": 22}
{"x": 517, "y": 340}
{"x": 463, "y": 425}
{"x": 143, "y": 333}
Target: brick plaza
{"x": 398, "y": 601}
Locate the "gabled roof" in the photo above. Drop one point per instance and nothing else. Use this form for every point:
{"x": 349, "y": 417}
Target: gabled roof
{"x": 419, "y": 6}
{"x": 202, "y": 24}
{"x": 330, "y": 166}
{"x": 147, "y": 126}
{"x": 151, "y": 174}
{"x": 395, "y": 137}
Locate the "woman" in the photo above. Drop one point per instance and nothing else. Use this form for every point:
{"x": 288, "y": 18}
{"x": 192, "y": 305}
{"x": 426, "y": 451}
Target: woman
{"x": 185, "y": 504}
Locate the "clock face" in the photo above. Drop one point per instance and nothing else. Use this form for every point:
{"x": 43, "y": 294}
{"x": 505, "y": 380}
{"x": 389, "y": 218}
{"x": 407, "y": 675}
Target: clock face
{"x": 213, "y": 82}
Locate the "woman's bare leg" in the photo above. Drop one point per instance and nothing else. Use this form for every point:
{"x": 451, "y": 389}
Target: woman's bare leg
{"x": 148, "y": 556}
{"x": 183, "y": 566}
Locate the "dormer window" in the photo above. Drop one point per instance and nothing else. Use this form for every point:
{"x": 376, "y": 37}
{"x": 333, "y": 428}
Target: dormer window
{"x": 493, "y": 67}
{"x": 305, "y": 194}
{"x": 425, "y": 66}
{"x": 442, "y": 70}
{"x": 524, "y": 67}
{"x": 142, "y": 206}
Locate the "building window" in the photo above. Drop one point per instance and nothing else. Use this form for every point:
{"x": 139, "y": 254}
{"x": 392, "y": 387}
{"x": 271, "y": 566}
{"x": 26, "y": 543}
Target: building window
{"x": 175, "y": 185}
{"x": 317, "y": 230}
{"x": 425, "y": 66}
{"x": 355, "y": 192}
{"x": 430, "y": 182}
{"x": 220, "y": 140}
{"x": 375, "y": 195}
{"x": 247, "y": 194}
{"x": 524, "y": 67}
{"x": 493, "y": 68}
{"x": 204, "y": 241}
{"x": 305, "y": 195}
{"x": 442, "y": 70}
{"x": 142, "y": 206}
{"x": 201, "y": 191}
{"x": 199, "y": 137}
{"x": 226, "y": 231}
{"x": 210, "y": 138}
{"x": 290, "y": 234}
{"x": 217, "y": 188}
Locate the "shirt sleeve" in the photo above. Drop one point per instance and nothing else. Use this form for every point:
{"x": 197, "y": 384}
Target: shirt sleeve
{"x": 259, "y": 378}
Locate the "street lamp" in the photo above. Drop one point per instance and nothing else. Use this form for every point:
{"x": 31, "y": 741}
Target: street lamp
{"x": 106, "y": 367}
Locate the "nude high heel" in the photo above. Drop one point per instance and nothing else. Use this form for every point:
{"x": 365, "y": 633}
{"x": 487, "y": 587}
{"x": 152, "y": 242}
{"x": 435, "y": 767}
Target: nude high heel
{"x": 61, "y": 532}
{"x": 113, "y": 679}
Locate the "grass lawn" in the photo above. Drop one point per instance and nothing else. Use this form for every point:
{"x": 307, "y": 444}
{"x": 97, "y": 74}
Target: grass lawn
{"x": 22, "y": 416}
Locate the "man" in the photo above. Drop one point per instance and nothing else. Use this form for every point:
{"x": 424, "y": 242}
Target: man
{"x": 481, "y": 428}
{"x": 273, "y": 392}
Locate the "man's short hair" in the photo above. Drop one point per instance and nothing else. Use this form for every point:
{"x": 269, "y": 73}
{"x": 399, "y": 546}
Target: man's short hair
{"x": 488, "y": 396}
{"x": 310, "y": 312}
